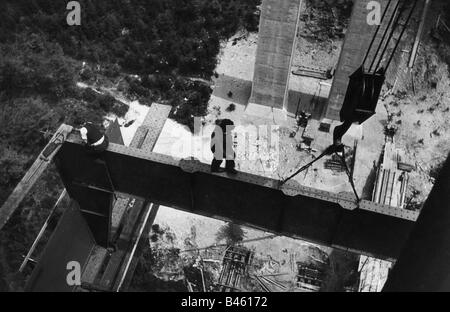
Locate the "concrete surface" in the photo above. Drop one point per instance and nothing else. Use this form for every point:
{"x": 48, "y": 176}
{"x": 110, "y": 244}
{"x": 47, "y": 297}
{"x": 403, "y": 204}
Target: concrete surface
{"x": 276, "y": 41}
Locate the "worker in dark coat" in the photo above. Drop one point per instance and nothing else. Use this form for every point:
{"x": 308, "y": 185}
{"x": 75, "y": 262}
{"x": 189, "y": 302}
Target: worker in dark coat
{"x": 95, "y": 140}
{"x": 222, "y": 146}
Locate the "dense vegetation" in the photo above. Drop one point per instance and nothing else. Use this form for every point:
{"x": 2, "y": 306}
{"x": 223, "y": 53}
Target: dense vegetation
{"x": 142, "y": 36}
{"x": 161, "y": 40}
{"x": 164, "y": 42}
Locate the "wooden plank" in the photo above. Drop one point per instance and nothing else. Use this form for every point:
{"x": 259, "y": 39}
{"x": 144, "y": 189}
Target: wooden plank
{"x": 130, "y": 262}
{"x": 154, "y": 121}
{"x": 419, "y": 34}
{"x": 148, "y": 133}
{"x": 386, "y": 174}
{"x": 96, "y": 259}
{"x": 117, "y": 258}
{"x": 118, "y": 212}
{"x": 32, "y": 175}
{"x": 389, "y": 189}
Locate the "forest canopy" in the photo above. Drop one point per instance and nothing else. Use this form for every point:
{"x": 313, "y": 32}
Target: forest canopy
{"x": 142, "y": 36}
{"x": 162, "y": 42}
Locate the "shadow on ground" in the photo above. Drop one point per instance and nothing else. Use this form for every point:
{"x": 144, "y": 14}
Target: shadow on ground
{"x": 239, "y": 91}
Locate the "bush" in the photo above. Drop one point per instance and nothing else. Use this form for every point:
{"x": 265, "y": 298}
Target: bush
{"x": 119, "y": 109}
{"x": 31, "y": 64}
{"x": 231, "y": 108}
{"x": 191, "y": 101}
{"x": 111, "y": 70}
{"x": 231, "y": 233}
{"x": 106, "y": 102}
{"x": 89, "y": 95}
{"x": 86, "y": 74}
{"x": 137, "y": 89}
{"x": 159, "y": 35}
{"x": 12, "y": 165}
{"x": 22, "y": 119}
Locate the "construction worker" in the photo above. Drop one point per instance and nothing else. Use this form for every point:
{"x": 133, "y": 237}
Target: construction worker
{"x": 222, "y": 146}
{"x": 96, "y": 142}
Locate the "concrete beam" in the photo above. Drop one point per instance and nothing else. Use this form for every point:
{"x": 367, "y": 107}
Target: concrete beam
{"x": 276, "y": 41}
{"x": 147, "y": 134}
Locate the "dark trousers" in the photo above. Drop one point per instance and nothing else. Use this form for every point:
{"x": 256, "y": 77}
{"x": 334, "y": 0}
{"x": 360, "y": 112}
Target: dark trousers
{"x": 99, "y": 149}
{"x": 215, "y": 164}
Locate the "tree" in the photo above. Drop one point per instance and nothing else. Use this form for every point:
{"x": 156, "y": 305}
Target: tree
{"x": 231, "y": 233}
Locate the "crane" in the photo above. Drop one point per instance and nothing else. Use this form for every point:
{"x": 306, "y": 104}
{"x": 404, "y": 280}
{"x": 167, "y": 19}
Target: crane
{"x": 366, "y": 82}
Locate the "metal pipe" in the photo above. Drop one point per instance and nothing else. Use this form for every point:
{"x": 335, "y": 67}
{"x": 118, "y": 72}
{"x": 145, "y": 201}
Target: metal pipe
{"x": 41, "y": 232}
{"x": 376, "y": 32}
{"x": 391, "y": 34}
{"x": 203, "y": 278}
{"x": 401, "y": 34}
{"x": 394, "y": 13}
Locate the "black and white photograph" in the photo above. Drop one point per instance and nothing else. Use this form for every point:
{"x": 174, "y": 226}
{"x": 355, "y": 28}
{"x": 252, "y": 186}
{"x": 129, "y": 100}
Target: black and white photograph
{"x": 223, "y": 151}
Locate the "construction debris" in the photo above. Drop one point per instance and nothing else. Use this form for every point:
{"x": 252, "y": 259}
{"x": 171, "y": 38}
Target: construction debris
{"x": 309, "y": 278}
{"x": 235, "y": 265}
{"x": 390, "y": 189}
{"x": 323, "y": 74}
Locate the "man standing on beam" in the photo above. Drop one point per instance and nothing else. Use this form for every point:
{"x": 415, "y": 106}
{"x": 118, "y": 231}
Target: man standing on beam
{"x": 96, "y": 142}
{"x": 222, "y": 146}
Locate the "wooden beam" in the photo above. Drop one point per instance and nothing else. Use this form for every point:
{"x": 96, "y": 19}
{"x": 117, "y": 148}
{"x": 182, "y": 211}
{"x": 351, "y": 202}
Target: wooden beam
{"x": 33, "y": 174}
{"x": 419, "y": 34}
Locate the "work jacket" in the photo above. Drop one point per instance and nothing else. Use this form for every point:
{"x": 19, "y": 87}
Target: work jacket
{"x": 92, "y": 134}
{"x": 222, "y": 144}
